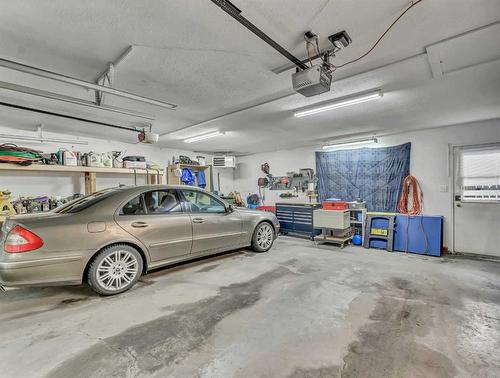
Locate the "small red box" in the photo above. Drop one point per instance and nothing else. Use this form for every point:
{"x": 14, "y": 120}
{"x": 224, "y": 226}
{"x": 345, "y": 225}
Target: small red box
{"x": 271, "y": 209}
{"x": 337, "y": 205}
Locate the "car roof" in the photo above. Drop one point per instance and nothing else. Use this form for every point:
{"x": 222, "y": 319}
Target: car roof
{"x": 117, "y": 195}
{"x": 140, "y": 188}
{"x": 122, "y": 192}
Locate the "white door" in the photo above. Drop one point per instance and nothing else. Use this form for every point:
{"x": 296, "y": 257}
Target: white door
{"x": 477, "y": 199}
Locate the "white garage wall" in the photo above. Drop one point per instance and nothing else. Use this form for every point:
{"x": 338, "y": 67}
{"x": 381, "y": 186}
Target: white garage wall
{"x": 226, "y": 176}
{"x": 66, "y": 184}
{"x": 429, "y": 163}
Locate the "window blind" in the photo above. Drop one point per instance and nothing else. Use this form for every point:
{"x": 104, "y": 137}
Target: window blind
{"x": 478, "y": 174}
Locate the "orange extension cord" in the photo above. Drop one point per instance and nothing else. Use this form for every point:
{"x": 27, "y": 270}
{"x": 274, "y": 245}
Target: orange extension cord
{"x": 413, "y": 206}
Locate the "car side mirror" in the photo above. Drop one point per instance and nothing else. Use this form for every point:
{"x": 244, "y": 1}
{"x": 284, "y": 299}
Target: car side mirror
{"x": 231, "y": 208}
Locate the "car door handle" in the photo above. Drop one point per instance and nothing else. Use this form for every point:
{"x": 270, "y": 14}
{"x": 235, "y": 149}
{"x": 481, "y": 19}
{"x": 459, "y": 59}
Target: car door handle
{"x": 198, "y": 220}
{"x": 139, "y": 224}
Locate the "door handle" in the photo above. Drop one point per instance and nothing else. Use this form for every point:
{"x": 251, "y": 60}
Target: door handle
{"x": 139, "y": 224}
{"x": 198, "y": 220}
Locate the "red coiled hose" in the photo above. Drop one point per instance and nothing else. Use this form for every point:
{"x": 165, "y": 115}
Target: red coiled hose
{"x": 414, "y": 205}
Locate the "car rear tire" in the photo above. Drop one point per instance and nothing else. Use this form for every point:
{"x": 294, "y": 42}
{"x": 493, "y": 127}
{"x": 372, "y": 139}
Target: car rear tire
{"x": 263, "y": 237}
{"x": 115, "y": 269}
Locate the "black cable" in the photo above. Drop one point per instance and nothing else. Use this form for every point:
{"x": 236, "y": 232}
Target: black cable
{"x": 413, "y": 3}
{"x": 67, "y": 116}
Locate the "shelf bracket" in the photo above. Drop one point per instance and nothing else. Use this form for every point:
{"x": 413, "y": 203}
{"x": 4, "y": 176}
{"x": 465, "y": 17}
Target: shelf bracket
{"x": 90, "y": 183}
{"x": 107, "y": 78}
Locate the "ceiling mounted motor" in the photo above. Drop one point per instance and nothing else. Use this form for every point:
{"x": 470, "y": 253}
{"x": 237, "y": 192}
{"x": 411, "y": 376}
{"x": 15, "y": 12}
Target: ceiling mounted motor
{"x": 317, "y": 79}
{"x": 312, "y": 81}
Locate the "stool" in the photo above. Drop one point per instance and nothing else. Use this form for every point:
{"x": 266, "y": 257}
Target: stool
{"x": 377, "y": 233}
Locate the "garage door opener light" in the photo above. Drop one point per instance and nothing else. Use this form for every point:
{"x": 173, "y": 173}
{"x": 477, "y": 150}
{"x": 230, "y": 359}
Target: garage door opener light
{"x": 203, "y": 137}
{"x": 341, "y": 103}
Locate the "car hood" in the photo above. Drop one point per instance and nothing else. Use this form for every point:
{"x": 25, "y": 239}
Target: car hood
{"x": 248, "y": 211}
{"x": 260, "y": 213}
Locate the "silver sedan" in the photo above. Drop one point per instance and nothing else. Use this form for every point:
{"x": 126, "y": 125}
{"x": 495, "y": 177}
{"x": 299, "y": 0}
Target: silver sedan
{"x": 110, "y": 238}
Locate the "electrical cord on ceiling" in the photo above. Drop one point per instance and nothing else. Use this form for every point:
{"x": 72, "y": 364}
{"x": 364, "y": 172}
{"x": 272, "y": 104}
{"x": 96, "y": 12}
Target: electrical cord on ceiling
{"x": 325, "y": 58}
{"x": 307, "y": 51}
{"x": 412, "y": 4}
{"x": 322, "y": 56}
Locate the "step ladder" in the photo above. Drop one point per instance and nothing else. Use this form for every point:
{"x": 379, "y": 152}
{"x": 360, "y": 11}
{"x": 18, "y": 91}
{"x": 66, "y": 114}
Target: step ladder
{"x": 379, "y": 233}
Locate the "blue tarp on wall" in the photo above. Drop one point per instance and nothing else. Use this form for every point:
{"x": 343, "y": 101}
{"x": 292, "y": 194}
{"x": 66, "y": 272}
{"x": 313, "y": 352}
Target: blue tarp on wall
{"x": 373, "y": 174}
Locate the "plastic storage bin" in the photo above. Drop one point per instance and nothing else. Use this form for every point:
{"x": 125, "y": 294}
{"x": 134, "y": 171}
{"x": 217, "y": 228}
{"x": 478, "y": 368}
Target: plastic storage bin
{"x": 337, "y": 205}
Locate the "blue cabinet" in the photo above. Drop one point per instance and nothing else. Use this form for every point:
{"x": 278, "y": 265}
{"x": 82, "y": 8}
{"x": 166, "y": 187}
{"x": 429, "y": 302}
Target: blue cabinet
{"x": 422, "y": 234}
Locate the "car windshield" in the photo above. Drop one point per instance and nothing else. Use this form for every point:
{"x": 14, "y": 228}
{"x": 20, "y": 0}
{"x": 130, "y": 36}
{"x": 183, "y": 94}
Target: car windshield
{"x": 83, "y": 203}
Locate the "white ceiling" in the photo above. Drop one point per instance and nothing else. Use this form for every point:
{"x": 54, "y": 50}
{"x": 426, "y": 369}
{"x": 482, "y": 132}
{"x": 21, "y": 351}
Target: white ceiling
{"x": 193, "y": 54}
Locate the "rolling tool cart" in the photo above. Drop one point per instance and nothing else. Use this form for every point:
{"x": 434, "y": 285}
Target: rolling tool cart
{"x": 297, "y": 218}
{"x": 335, "y": 226}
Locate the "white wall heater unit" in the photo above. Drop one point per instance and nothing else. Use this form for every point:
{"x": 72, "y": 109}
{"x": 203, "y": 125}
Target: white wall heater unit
{"x": 224, "y": 161}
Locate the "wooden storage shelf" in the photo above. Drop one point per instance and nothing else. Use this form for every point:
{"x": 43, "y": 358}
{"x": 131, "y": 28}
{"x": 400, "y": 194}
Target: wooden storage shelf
{"x": 172, "y": 179}
{"x": 192, "y": 166}
{"x": 342, "y": 242}
{"x": 154, "y": 175}
{"x": 80, "y": 169}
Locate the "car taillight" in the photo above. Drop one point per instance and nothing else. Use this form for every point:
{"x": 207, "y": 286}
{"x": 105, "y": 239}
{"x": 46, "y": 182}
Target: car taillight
{"x": 20, "y": 239}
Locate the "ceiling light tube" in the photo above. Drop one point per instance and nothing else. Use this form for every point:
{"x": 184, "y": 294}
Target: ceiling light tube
{"x": 42, "y": 139}
{"x": 350, "y": 143}
{"x": 81, "y": 83}
{"x": 71, "y": 100}
{"x": 203, "y": 137}
{"x": 359, "y": 99}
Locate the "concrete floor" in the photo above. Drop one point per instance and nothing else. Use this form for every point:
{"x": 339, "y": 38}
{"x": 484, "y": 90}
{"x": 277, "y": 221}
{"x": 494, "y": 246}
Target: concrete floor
{"x": 298, "y": 311}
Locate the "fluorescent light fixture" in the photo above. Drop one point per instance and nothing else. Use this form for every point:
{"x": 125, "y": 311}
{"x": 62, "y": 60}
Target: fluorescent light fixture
{"x": 71, "y": 100}
{"x": 203, "y": 137}
{"x": 355, "y": 142}
{"x": 42, "y": 139}
{"x": 359, "y": 99}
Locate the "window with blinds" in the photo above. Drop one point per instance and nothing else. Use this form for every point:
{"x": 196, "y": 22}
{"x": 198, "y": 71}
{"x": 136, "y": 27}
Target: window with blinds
{"x": 478, "y": 174}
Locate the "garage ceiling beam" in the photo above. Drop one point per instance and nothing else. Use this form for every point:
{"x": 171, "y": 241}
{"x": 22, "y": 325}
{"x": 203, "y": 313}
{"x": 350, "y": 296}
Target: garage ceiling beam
{"x": 289, "y": 94}
{"x": 81, "y": 83}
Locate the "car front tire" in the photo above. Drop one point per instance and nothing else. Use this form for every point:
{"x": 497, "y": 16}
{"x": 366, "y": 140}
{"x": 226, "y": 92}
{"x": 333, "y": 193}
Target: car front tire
{"x": 115, "y": 269}
{"x": 263, "y": 237}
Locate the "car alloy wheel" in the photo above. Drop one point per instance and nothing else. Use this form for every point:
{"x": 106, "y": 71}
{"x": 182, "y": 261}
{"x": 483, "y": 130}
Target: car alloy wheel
{"x": 117, "y": 270}
{"x": 265, "y": 236}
